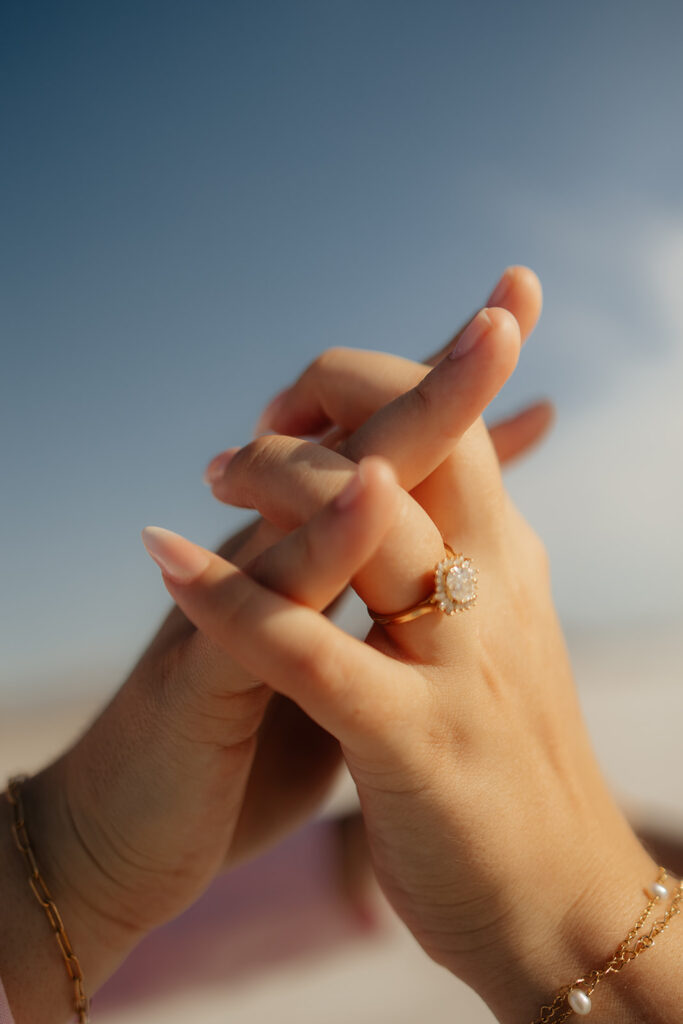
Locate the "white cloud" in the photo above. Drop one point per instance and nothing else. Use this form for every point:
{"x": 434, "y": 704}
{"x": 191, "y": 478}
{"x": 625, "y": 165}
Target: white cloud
{"x": 607, "y": 491}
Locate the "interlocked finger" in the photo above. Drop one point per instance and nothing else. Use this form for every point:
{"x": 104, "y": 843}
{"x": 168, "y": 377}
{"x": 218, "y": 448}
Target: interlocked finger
{"x": 419, "y": 429}
{"x": 289, "y": 481}
{"x": 342, "y": 683}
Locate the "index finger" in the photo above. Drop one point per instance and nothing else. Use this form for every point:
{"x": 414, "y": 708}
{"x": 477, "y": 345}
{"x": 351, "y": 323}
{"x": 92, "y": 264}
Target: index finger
{"x": 519, "y": 291}
{"x": 419, "y": 429}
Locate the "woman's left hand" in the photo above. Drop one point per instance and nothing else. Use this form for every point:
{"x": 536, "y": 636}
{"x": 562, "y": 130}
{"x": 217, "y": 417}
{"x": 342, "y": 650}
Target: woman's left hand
{"x": 138, "y": 817}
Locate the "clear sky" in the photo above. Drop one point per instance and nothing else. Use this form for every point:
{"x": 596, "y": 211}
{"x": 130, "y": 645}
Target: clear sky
{"x": 196, "y": 198}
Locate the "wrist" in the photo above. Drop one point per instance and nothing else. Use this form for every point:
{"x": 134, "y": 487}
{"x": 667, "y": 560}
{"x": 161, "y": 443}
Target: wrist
{"x": 39, "y": 983}
{"x": 32, "y": 964}
{"x": 28, "y": 951}
{"x": 77, "y": 875}
{"x": 573, "y": 923}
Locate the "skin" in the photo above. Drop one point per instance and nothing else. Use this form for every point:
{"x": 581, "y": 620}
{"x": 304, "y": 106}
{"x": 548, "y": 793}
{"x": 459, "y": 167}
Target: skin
{"x": 491, "y": 829}
{"x": 490, "y": 826}
{"x": 227, "y": 768}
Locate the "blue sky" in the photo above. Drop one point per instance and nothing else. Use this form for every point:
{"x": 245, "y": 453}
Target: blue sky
{"x": 199, "y": 197}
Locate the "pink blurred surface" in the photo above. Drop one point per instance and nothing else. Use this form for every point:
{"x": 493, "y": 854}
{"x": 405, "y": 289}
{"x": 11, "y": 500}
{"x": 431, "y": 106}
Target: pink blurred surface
{"x": 5, "y": 1012}
{"x": 284, "y": 905}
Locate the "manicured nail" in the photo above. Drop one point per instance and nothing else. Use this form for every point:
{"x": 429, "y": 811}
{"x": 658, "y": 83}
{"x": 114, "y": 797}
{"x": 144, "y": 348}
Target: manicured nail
{"x": 178, "y": 558}
{"x": 218, "y": 465}
{"x": 351, "y": 492}
{"x": 269, "y": 414}
{"x": 474, "y": 332}
{"x": 501, "y": 289}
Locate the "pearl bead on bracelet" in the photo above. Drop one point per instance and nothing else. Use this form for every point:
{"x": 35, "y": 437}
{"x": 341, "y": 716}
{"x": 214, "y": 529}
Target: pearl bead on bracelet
{"x": 579, "y": 1001}
{"x": 576, "y": 997}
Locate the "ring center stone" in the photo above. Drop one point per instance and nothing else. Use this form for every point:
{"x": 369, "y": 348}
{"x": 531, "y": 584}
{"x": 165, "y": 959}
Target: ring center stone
{"x": 461, "y": 583}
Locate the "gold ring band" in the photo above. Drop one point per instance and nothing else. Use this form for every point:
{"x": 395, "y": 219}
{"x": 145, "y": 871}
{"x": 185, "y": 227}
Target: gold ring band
{"x": 455, "y": 590}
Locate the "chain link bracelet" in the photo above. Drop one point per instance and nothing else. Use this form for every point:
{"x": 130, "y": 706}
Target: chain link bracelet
{"x": 42, "y": 894}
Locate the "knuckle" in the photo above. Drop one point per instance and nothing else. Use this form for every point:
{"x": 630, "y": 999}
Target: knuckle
{"x": 207, "y": 704}
{"x": 535, "y": 557}
{"x": 231, "y": 719}
{"x": 244, "y": 711}
{"x": 309, "y": 549}
{"x": 534, "y": 550}
{"x": 240, "y": 607}
{"x": 310, "y": 662}
{"x": 253, "y": 452}
{"x": 319, "y": 663}
{"x": 328, "y": 360}
{"x": 437, "y": 415}
{"x": 422, "y": 396}
{"x": 169, "y": 672}
{"x": 325, "y": 365}
{"x": 265, "y": 477}
{"x": 260, "y": 455}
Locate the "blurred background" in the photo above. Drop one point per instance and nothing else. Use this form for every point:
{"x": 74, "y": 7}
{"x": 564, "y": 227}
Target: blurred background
{"x": 196, "y": 199}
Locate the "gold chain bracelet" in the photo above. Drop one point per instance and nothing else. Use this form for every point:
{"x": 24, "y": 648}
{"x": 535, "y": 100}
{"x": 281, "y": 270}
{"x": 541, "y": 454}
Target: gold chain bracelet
{"x": 42, "y": 894}
{"x": 575, "y": 998}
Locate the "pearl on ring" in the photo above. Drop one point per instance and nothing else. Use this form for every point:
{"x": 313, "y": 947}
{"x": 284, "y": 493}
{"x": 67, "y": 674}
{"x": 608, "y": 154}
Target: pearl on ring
{"x": 659, "y": 891}
{"x": 579, "y": 1001}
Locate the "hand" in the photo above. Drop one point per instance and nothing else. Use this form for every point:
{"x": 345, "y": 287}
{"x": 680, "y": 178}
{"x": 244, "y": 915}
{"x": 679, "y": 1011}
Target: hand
{"x": 162, "y": 829}
{"x": 340, "y": 391}
{"x": 491, "y": 829}
{"x": 140, "y": 815}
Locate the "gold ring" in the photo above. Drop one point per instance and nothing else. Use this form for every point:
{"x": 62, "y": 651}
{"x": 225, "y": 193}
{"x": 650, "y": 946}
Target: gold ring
{"x": 455, "y": 590}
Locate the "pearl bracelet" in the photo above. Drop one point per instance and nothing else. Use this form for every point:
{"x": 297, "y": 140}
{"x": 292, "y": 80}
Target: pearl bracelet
{"x": 576, "y": 997}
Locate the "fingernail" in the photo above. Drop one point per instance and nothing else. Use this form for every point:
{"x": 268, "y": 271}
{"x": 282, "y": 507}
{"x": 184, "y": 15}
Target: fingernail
{"x": 351, "y": 492}
{"x": 269, "y": 414}
{"x": 474, "y": 332}
{"x": 218, "y": 465}
{"x": 178, "y": 558}
{"x": 501, "y": 289}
